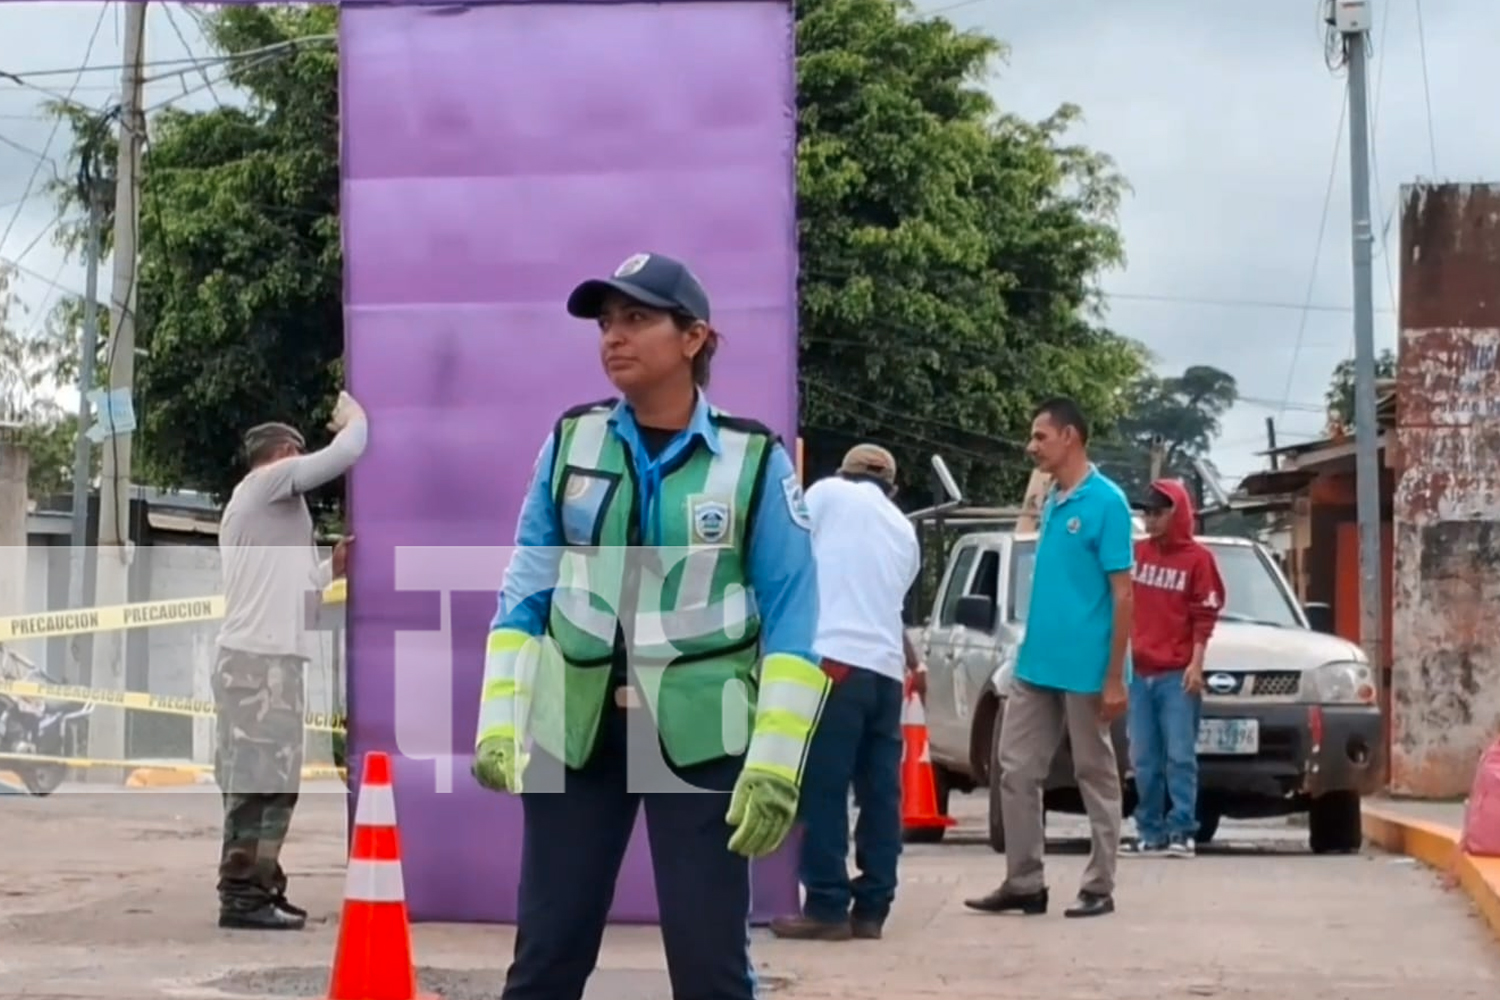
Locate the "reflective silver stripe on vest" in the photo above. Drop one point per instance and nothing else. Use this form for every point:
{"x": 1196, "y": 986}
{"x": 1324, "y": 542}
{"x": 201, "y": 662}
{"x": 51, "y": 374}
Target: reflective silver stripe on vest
{"x": 572, "y": 599}
{"x": 733, "y": 616}
{"x": 722, "y": 483}
{"x": 588, "y": 440}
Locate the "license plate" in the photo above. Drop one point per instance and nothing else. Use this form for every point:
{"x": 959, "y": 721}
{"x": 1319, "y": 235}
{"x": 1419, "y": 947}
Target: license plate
{"x": 1229, "y": 736}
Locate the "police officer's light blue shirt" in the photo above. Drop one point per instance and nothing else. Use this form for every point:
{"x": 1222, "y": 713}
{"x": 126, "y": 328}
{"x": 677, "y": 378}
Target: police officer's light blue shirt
{"x": 1085, "y": 537}
{"x": 779, "y": 568}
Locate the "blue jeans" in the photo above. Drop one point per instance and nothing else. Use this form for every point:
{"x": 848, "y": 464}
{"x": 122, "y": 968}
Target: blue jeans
{"x": 1163, "y": 729}
{"x": 858, "y": 743}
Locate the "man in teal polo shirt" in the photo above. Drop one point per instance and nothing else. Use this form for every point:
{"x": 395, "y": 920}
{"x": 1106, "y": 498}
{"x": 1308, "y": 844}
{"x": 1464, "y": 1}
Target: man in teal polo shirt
{"x": 1070, "y": 672}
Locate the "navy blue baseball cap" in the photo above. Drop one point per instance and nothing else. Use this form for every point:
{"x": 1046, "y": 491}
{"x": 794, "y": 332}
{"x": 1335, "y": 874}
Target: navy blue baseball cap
{"x": 651, "y": 279}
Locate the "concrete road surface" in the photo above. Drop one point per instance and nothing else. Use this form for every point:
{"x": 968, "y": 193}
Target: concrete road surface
{"x": 111, "y": 896}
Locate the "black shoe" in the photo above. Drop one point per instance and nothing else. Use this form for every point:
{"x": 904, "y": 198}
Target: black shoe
{"x": 282, "y": 903}
{"x": 1002, "y": 900}
{"x": 267, "y": 917}
{"x": 808, "y": 929}
{"x": 866, "y": 930}
{"x": 1091, "y": 904}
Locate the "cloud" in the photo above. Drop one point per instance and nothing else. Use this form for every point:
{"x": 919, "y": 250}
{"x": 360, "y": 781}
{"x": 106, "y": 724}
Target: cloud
{"x": 1223, "y": 116}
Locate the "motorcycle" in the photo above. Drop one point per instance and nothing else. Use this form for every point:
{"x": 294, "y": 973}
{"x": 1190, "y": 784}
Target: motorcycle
{"x": 39, "y": 727}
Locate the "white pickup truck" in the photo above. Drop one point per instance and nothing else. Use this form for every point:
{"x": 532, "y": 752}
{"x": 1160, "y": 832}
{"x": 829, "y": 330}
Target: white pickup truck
{"x": 1290, "y": 718}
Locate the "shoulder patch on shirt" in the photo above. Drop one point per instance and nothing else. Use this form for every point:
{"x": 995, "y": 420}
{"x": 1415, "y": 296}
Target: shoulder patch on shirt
{"x": 796, "y": 502}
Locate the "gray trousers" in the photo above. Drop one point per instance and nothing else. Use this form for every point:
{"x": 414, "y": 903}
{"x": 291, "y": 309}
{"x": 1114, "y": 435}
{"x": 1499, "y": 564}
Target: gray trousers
{"x": 1036, "y": 719}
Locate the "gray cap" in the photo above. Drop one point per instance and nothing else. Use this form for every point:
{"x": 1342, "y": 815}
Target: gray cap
{"x": 262, "y": 435}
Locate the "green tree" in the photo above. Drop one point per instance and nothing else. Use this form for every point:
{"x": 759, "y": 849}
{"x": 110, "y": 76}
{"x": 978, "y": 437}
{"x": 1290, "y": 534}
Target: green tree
{"x": 33, "y": 364}
{"x": 1178, "y": 414}
{"x": 1340, "y": 395}
{"x": 948, "y": 251}
{"x": 239, "y": 310}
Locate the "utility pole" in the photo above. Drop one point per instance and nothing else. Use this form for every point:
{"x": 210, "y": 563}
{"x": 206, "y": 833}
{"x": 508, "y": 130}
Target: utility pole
{"x": 112, "y": 580}
{"x": 78, "y": 544}
{"x": 1158, "y": 456}
{"x": 1271, "y": 442}
{"x": 1352, "y": 21}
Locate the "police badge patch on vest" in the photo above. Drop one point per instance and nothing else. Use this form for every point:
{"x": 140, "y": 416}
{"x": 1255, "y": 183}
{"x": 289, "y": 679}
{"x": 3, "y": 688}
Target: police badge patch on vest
{"x": 796, "y": 503}
{"x": 585, "y": 497}
{"x": 709, "y": 519}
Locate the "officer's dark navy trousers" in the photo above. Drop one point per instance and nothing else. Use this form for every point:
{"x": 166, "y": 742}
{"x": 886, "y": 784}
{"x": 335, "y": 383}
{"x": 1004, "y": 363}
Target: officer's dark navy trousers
{"x": 573, "y": 844}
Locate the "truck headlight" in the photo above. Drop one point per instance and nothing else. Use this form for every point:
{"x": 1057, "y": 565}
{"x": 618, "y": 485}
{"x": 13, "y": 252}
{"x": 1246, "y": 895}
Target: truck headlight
{"x": 1343, "y": 682}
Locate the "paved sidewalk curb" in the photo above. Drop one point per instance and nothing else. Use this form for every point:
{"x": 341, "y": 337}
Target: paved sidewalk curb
{"x": 1436, "y": 846}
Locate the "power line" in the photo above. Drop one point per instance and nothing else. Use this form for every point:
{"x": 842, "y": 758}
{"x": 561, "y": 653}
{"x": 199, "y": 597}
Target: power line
{"x": 1426, "y": 89}
{"x": 202, "y": 70}
{"x": 1312, "y": 278}
{"x": 56, "y": 124}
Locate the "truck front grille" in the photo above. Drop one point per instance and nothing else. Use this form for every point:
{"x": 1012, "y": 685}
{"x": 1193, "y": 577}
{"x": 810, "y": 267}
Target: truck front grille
{"x": 1276, "y": 684}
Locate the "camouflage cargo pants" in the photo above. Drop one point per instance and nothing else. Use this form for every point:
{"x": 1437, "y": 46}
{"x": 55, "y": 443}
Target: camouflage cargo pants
{"x": 259, "y": 770}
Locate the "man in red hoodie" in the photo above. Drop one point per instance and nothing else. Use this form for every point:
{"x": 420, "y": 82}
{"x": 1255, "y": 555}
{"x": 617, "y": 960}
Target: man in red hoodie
{"x": 1178, "y": 595}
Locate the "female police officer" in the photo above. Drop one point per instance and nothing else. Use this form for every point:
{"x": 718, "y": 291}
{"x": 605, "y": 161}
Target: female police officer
{"x": 665, "y": 580}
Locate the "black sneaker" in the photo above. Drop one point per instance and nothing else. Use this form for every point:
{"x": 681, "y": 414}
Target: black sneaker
{"x": 266, "y": 917}
{"x": 1142, "y": 849}
{"x": 1003, "y": 900}
{"x": 866, "y": 930}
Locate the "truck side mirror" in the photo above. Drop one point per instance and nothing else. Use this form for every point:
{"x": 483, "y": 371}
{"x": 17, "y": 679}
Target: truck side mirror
{"x": 1319, "y": 616}
{"x": 950, "y": 493}
{"x": 975, "y": 611}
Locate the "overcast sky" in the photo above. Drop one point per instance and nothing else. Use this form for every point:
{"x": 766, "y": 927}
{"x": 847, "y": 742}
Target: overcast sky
{"x": 1223, "y": 115}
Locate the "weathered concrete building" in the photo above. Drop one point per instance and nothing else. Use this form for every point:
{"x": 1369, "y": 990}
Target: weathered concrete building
{"x": 1445, "y": 679}
{"x": 1439, "y": 444}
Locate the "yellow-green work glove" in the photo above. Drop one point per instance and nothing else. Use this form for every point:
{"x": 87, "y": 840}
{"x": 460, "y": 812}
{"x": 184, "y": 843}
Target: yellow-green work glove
{"x": 498, "y": 764}
{"x": 762, "y": 811}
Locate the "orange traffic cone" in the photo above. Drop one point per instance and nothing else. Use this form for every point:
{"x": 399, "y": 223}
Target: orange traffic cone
{"x": 373, "y": 960}
{"x": 919, "y": 804}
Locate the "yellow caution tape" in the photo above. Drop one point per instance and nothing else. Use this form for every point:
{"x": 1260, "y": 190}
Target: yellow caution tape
{"x": 316, "y": 721}
{"x": 81, "y": 621}
{"x": 312, "y": 771}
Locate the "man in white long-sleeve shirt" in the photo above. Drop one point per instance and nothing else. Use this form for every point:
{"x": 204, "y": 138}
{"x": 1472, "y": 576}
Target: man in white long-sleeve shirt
{"x": 272, "y": 575}
{"x": 868, "y": 558}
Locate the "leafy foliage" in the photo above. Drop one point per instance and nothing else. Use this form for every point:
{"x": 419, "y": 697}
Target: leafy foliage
{"x": 32, "y": 363}
{"x": 1180, "y": 415}
{"x": 947, "y": 251}
{"x": 239, "y": 310}
{"x": 1340, "y": 395}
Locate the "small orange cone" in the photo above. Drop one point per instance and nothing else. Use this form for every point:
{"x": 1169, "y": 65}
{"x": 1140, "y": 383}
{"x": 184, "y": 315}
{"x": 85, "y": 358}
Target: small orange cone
{"x": 919, "y": 805}
{"x": 373, "y": 960}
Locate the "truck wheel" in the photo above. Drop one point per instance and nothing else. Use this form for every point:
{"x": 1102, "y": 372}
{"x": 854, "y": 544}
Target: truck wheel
{"x": 1333, "y": 824}
{"x": 1208, "y": 826}
{"x": 996, "y": 820}
{"x": 932, "y": 835}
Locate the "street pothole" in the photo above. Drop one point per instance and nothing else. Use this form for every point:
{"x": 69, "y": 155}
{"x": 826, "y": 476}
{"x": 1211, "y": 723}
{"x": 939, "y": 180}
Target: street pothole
{"x": 455, "y": 984}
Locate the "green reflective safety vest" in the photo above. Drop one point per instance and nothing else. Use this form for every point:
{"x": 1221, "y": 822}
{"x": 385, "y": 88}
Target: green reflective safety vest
{"x": 682, "y": 608}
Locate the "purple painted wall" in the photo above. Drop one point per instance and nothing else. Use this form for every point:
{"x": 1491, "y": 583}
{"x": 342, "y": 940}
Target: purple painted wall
{"x": 493, "y": 157}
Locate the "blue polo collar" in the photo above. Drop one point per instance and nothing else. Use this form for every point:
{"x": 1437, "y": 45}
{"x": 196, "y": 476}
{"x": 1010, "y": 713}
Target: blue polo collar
{"x": 622, "y": 419}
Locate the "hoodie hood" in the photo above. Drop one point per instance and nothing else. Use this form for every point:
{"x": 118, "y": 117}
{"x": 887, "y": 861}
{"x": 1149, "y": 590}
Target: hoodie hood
{"x": 1180, "y": 531}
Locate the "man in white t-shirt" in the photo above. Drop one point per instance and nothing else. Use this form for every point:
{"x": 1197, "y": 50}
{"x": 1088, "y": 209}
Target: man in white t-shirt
{"x": 868, "y": 558}
{"x": 272, "y": 577}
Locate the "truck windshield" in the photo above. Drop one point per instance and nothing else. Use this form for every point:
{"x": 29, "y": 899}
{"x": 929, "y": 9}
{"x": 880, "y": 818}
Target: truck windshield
{"x": 1253, "y": 592}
